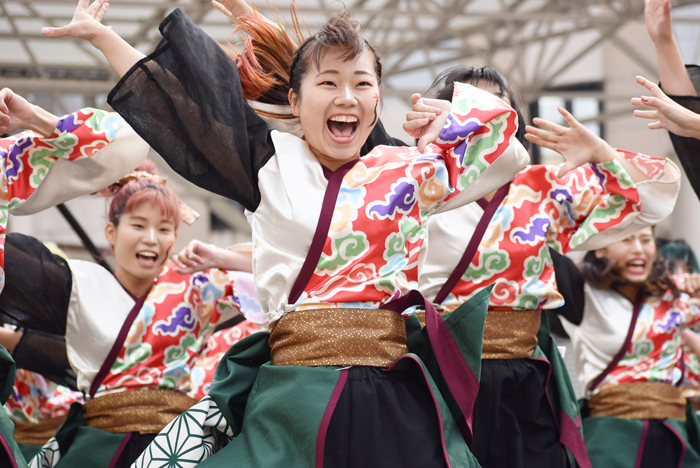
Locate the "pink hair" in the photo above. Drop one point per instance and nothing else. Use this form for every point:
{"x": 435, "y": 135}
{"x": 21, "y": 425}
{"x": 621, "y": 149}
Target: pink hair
{"x": 135, "y": 192}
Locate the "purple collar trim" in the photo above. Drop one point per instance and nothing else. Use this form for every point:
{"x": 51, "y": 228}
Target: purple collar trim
{"x": 335, "y": 180}
{"x": 490, "y": 208}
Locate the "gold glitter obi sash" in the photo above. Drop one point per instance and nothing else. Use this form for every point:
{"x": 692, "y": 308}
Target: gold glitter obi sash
{"x": 338, "y": 337}
{"x": 144, "y": 411}
{"x": 639, "y": 400}
{"x": 510, "y": 334}
{"x": 37, "y": 433}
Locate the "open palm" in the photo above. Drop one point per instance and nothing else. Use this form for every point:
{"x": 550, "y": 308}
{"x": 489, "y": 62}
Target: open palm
{"x": 85, "y": 23}
{"x": 576, "y": 143}
{"x": 657, "y": 14}
{"x": 667, "y": 113}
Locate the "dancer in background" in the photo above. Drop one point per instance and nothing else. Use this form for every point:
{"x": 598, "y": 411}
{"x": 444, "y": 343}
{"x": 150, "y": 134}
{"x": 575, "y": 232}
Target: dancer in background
{"x": 351, "y": 273}
{"x": 199, "y": 256}
{"x": 526, "y": 411}
{"x": 628, "y": 352}
{"x": 131, "y": 338}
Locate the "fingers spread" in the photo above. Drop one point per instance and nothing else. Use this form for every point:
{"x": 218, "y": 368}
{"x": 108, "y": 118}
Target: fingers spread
{"x": 222, "y": 9}
{"x": 570, "y": 119}
{"x": 539, "y": 141}
{"x": 102, "y": 11}
{"x": 551, "y": 126}
{"x": 646, "y": 114}
{"x": 543, "y": 134}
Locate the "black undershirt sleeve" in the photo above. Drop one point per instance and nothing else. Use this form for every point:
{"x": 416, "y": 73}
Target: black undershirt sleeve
{"x": 570, "y": 284}
{"x": 36, "y": 298}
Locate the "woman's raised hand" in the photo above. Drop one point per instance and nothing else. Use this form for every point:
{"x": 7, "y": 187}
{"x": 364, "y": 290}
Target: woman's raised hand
{"x": 233, "y": 8}
{"x": 426, "y": 119}
{"x": 657, "y": 14}
{"x": 576, "y": 143}
{"x": 667, "y": 113}
{"x": 86, "y": 22}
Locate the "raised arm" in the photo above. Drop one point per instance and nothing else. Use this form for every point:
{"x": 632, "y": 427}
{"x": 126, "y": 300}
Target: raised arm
{"x": 577, "y": 145}
{"x": 185, "y": 99}
{"x": 57, "y": 159}
{"x": 86, "y": 24}
{"x": 674, "y": 79}
{"x": 614, "y": 195}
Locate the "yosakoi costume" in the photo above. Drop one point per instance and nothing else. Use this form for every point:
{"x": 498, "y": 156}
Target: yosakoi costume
{"x": 38, "y": 407}
{"x": 132, "y": 355}
{"x": 219, "y": 343}
{"x": 333, "y": 384}
{"x": 89, "y": 150}
{"x": 690, "y": 368}
{"x": 627, "y": 356}
{"x": 10, "y": 453}
{"x": 526, "y": 413}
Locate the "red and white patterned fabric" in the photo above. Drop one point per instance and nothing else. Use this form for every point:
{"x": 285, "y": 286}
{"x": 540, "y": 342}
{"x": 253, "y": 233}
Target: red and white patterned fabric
{"x": 211, "y": 354}
{"x": 588, "y": 208}
{"x": 655, "y": 350}
{"x": 27, "y": 158}
{"x": 34, "y": 398}
{"x": 178, "y": 317}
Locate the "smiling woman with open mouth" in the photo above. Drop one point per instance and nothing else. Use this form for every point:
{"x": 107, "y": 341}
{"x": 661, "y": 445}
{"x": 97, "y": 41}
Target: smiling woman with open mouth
{"x": 628, "y": 354}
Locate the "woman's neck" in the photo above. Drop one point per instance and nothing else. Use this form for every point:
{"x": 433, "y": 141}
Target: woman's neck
{"x": 135, "y": 286}
{"x": 331, "y": 163}
{"x": 630, "y": 290}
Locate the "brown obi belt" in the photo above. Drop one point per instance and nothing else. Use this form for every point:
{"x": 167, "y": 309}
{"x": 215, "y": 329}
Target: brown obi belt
{"x": 37, "y": 433}
{"x": 338, "y": 337}
{"x": 510, "y": 334}
{"x": 144, "y": 411}
{"x": 639, "y": 400}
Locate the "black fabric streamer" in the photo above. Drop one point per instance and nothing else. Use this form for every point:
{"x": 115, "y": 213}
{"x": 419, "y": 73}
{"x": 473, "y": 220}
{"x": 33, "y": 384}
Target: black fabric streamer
{"x": 185, "y": 99}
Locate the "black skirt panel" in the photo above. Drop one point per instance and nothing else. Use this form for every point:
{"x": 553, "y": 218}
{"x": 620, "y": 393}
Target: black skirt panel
{"x": 513, "y": 422}
{"x": 384, "y": 419}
